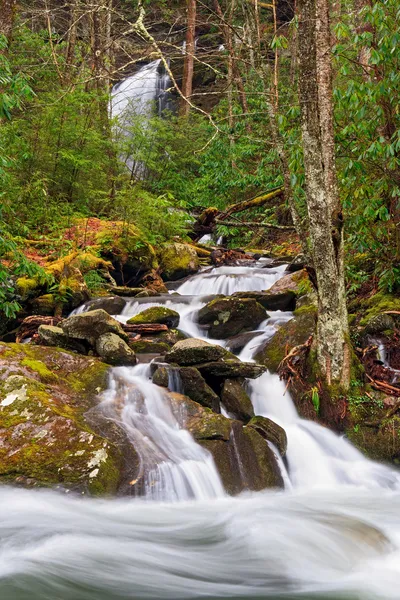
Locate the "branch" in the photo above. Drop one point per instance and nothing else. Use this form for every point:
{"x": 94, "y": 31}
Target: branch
{"x": 254, "y": 224}
{"x": 254, "y": 203}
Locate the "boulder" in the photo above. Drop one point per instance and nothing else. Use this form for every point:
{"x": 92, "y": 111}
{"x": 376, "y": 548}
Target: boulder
{"x": 379, "y": 324}
{"x": 238, "y": 342}
{"x": 290, "y": 334}
{"x": 297, "y": 264}
{"x": 202, "y": 423}
{"x": 289, "y": 283}
{"x": 270, "y": 431}
{"x": 44, "y": 305}
{"x": 113, "y": 305}
{"x": 178, "y": 261}
{"x": 114, "y": 350}
{"x": 231, "y": 368}
{"x": 91, "y": 325}
{"x": 149, "y": 346}
{"x": 54, "y": 336}
{"x": 156, "y": 314}
{"x": 229, "y": 316}
{"x": 47, "y": 437}
{"x": 195, "y": 387}
{"x": 236, "y": 400}
{"x": 192, "y": 351}
{"x": 123, "y": 290}
{"x": 161, "y": 376}
{"x": 271, "y": 301}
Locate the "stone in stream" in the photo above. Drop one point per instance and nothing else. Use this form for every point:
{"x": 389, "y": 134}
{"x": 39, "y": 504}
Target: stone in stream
{"x": 289, "y": 283}
{"x": 238, "y": 342}
{"x": 236, "y": 400}
{"x": 113, "y": 305}
{"x": 52, "y": 432}
{"x": 91, "y": 325}
{"x": 114, "y": 350}
{"x": 193, "y": 351}
{"x": 229, "y": 316}
{"x": 178, "y": 261}
{"x": 231, "y": 368}
{"x": 270, "y": 431}
{"x": 156, "y": 314}
{"x": 54, "y": 336}
{"x": 271, "y": 301}
{"x": 380, "y": 324}
{"x": 193, "y": 385}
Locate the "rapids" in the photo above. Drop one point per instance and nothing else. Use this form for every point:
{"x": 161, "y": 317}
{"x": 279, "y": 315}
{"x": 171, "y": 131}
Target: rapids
{"x": 333, "y": 533}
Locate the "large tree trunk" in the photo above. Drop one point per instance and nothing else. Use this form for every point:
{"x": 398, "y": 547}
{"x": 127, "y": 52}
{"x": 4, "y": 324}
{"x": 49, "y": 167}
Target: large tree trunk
{"x": 325, "y": 218}
{"x": 188, "y": 68}
{"x": 7, "y": 14}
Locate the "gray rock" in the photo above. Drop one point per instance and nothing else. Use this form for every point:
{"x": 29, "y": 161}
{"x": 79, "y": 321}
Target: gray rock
{"x": 231, "y": 368}
{"x": 114, "y": 351}
{"x": 113, "y": 305}
{"x": 192, "y": 351}
{"x": 91, "y": 325}
{"x": 229, "y": 316}
{"x": 54, "y": 336}
{"x": 271, "y": 301}
{"x": 236, "y": 400}
{"x": 270, "y": 431}
{"x": 379, "y": 324}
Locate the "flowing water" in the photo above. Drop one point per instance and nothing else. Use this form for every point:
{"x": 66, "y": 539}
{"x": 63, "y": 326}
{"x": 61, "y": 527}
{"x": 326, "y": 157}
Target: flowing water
{"x": 333, "y": 533}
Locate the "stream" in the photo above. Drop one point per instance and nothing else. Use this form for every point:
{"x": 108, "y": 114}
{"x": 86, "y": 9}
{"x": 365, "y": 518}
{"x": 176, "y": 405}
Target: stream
{"x": 333, "y": 532}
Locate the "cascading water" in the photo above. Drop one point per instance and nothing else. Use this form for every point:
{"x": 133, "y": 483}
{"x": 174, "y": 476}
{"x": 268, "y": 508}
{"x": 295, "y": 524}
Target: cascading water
{"x": 333, "y": 533}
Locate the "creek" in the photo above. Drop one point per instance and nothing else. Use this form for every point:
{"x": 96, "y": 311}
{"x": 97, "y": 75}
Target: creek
{"x": 333, "y": 532}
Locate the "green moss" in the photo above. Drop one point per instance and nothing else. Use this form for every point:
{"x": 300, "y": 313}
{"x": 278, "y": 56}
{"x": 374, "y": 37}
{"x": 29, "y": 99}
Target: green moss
{"x": 379, "y": 303}
{"x": 40, "y": 368}
{"x": 149, "y": 347}
{"x": 27, "y": 287}
{"x": 156, "y": 314}
{"x": 177, "y": 261}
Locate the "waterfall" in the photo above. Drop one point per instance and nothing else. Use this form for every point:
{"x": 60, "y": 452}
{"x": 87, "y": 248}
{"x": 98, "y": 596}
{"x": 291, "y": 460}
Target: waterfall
{"x": 175, "y": 467}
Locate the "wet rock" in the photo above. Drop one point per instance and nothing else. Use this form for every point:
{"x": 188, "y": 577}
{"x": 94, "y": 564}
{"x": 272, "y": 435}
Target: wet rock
{"x": 290, "y": 334}
{"x": 236, "y": 400}
{"x": 238, "y": 342}
{"x": 297, "y": 264}
{"x": 245, "y": 462}
{"x": 192, "y": 351}
{"x": 270, "y": 431}
{"x": 271, "y": 301}
{"x": 195, "y": 387}
{"x": 231, "y": 368}
{"x": 114, "y": 350}
{"x": 91, "y": 325}
{"x": 122, "y": 290}
{"x": 149, "y": 346}
{"x": 289, "y": 283}
{"x": 54, "y": 336}
{"x": 379, "y": 324}
{"x": 202, "y": 423}
{"x": 178, "y": 261}
{"x": 156, "y": 314}
{"x": 229, "y": 316}
{"x": 161, "y": 376}
{"x": 113, "y": 305}
{"x": 46, "y": 437}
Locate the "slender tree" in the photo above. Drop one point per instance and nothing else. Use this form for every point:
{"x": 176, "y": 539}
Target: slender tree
{"x": 7, "y": 14}
{"x": 188, "y": 68}
{"x": 323, "y": 205}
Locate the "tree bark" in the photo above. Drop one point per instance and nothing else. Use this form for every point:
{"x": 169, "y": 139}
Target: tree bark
{"x": 188, "y": 68}
{"x": 325, "y": 218}
{"x": 7, "y": 15}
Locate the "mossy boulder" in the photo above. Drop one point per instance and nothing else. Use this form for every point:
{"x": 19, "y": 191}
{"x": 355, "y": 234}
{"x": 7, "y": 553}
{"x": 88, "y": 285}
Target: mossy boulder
{"x": 226, "y": 317}
{"x": 236, "y": 400}
{"x": 149, "y": 346}
{"x": 161, "y": 376}
{"x": 293, "y": 282}
{"x": 195, "y": 387}
{"x": 230, "y": 368}
{"x": 54, "y": 336}
{"x": 45, "y": 305}
{"x": 271, "y": 301}
{"x": 376, "y": 305}
{"x": 114, "y": 350}
{"x": 242, "y": 457}
{"x": 270, "y": 431}
{"x": 177, "y": 261}
{"x": 156, "y": 314}
{"x": 192, "y": 351}
{"x": 379, "y": 324}
{"x": 46, "y": 438}
{"x": 290, "y": 334}
{"x": 91, "y": 325}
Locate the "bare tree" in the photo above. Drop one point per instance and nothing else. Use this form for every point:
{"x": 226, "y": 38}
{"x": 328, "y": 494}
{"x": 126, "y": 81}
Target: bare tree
{"x": 323, "y": 205}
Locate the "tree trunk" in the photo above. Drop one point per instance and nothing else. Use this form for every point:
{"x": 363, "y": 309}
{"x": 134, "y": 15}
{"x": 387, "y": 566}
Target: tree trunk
{"x": 325, "y": 218}
{"x": 7, "y": 14}
{"x": 187, "y": 83}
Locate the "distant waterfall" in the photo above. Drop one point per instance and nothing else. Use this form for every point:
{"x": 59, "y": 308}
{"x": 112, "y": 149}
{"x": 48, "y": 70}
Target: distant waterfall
{"x": 141, "y": 95}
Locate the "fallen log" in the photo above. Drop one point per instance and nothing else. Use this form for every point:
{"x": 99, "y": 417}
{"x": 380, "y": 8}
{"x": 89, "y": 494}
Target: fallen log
{"x": 145, "y": 328}
{"x": 252, "y": 203}
{"x": 30, "y": 325}
{"x": 254, "y": 224}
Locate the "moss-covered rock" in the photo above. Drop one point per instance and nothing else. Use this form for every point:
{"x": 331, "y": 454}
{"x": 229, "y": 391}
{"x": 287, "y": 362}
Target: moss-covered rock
{"x": 54, "y": 336}
{"x": 46, "y": 439}
{"x": 236, "y": 400}
{"x": 149, "y": 346}
{"x": 271, "y": 301}
{"x": 177, "y": 261}
{"x": 192, "y": 351}
{"x": 226, "y": 317}
{"x": 376, "y": 305}
{"x": 91, "y": 325}
{"x": 113, "y": 305}
{"x": 290, "y": 334}
{"x": 114, "y": 350}
{"x": 156, "y": 314}
{"x": 294, "y": 282}
{"x": 379, "y": 324}
{"x": 231, "y": 368}
{"x": 195, "y": 387}
{"x": 270, "y": 431}
{"x": 44, "y": 305}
